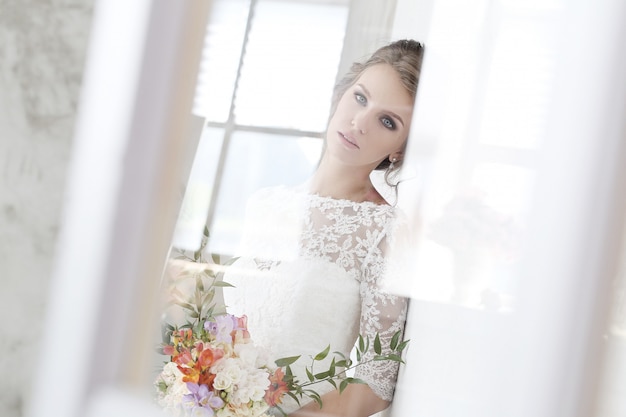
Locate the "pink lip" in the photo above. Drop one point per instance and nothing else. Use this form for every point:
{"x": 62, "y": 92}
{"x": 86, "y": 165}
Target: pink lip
{"x": 348, "y": 140}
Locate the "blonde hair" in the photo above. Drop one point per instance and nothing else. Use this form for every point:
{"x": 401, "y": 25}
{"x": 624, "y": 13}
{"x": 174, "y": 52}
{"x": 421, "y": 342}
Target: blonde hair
{"x": 405, "y": 57}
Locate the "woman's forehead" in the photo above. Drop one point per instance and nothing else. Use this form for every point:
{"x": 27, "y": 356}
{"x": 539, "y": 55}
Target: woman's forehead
{"x": 385, "y": 86}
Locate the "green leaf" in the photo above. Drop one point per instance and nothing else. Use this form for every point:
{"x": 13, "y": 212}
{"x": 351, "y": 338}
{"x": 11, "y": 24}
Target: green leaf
{"x": 322, "y": 355}
{"x": 281, "y": 410}
{"x": 351, "y": 380}
{"x": 199, "y": 284}
{"x": 395, "y": 358}
{"x": 309, "y": 374}
{"x": 208, "y": 298}
{"x": 186, "y": 306}
{"x": 288, "y": 379}
{"x": 292, "y": 395}
{"x": 332, "y": 382}
{"x": 402, "y": 346}
{"x": 390, "y": 357}
{"x": 377, "y": 347}
{"x": 361, "y": 343}
{"x": 344, "y": 363}
{"x": 315, "y": 396}
{"x": 331, "y": 370}
{"x": 222, "y": 284}
{"x": 198, "y": 299}
{"x": 322, "y": 375}
{"x": 231, "y": 261}
{"x": 343, "y": 385}
{"x": 337, "y": 353}
{"x": 286, "y": 361}
{"x": 395, "y": 340}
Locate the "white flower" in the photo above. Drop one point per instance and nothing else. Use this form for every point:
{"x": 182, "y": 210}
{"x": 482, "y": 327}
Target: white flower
{"x": 259, "y": 382}
{"x": 222, "y": 382}
{"x": 228, "y": 372}
{"x": 254, "y": 410}
{"x": 172, "y": 397}
{"x": 247, "y": 353}
{"x": 258, "y": 409}
{"x": 170, "y": 373}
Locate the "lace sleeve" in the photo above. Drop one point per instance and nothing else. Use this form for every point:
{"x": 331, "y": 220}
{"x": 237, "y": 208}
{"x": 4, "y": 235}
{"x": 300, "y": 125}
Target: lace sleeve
{"x": 382, "y": 313}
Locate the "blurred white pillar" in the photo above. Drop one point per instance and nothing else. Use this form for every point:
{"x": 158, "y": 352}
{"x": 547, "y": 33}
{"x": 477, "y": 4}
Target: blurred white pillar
{"x": 131, "y": 144}
{"x": 576, "y": 228}
{"x": 543, "y": 359}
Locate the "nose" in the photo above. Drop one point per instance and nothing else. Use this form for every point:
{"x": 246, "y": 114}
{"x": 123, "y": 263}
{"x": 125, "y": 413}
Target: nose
{"x": 360, "y": 121}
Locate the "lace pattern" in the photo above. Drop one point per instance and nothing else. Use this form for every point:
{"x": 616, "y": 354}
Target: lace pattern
{"x": 339, "y": 247}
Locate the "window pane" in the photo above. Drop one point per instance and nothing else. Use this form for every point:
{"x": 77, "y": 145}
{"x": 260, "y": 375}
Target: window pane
{"x": 220, "y": 58}
{"x": 193, "y": 212}
{"x": 290, "y": 65}
{"x": 257, "y": 160}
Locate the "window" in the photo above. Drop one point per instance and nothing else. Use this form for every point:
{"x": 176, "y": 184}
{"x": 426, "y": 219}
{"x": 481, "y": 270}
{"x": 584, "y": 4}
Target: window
{"x": 265, "y": 90}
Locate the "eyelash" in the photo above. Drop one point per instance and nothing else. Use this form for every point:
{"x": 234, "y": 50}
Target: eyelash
{"x": 387, "y": 122}
{"x": 390, "y": 125}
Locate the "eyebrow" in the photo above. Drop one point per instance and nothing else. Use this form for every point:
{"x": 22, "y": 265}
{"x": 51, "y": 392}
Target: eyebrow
{"x": 367, "y": 93}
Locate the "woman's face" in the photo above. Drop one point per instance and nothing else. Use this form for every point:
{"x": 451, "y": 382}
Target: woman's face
{"x": 372, "y": 119}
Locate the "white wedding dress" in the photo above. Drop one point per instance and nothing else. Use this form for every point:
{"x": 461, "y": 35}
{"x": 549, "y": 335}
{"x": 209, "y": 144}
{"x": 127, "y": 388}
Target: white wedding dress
{"x": 309, "y": 275}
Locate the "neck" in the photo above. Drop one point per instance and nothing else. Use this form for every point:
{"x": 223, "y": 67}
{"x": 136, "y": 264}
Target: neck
{"x": 332, "y": 179}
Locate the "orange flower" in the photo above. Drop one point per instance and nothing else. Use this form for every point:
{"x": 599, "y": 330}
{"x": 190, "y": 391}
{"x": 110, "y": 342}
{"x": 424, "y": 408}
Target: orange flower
{"x": 278, "y": 387}
{"x": 207, "y": 357}
{"x": 184, "y": 359}
{"x": 207, "y": 379}
{"x": 191, "y": 374}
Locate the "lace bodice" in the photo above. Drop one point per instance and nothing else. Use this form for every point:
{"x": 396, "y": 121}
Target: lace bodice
{"x": 309, "y": 274}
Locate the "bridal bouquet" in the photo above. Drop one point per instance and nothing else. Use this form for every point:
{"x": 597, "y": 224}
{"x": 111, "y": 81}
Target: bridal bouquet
{"x": 215, "y": 369}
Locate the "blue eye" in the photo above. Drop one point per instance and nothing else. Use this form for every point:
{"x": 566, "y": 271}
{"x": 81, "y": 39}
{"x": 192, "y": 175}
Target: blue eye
{"x": 360, "y": 98}
{"x": 388, "y": 123}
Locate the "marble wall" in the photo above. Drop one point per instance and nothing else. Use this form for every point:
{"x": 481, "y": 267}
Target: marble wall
{"x": 42, "y": 52}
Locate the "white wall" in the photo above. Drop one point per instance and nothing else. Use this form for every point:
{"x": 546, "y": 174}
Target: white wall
{"x": 42, "y": 51}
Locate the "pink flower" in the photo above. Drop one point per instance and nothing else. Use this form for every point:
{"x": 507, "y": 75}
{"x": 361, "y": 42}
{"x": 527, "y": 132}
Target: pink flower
{"x": 228, "y": 328}
{"x": 278, "y": 387}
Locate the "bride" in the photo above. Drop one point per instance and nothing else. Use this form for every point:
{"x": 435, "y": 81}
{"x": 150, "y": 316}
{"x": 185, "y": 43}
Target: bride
{"x": 313, "y": 257}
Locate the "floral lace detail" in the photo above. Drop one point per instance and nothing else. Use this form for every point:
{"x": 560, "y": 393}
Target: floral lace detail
{"x": 354, "y": 236}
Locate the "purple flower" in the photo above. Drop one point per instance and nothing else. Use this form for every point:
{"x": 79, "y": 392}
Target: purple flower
{"x": 211, "y": 327}
{"x": 201, "y": 401}
{"x": 224, "y": 326}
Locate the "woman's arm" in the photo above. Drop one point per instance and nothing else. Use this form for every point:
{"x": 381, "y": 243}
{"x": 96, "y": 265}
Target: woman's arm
{"x": 357, "y": 400}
